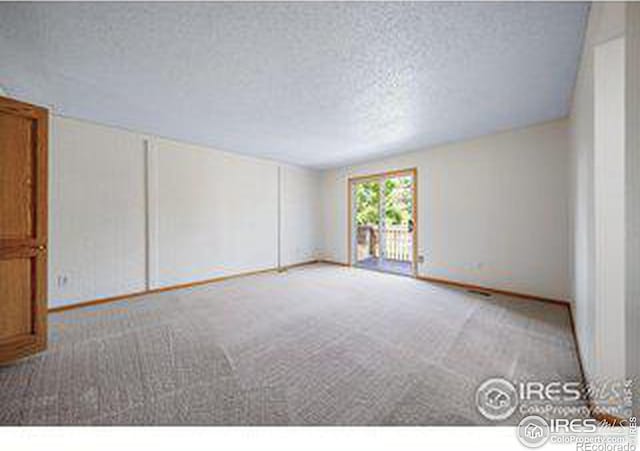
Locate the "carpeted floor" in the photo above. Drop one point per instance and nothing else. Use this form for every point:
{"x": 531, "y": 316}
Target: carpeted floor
{"x": 386, "y": 265}
{"x": 317, "y": 345}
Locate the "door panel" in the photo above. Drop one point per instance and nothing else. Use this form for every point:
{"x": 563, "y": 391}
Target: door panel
{"x": 15, "y": 287}
{"x": 16, "y": 171}
{"x": 23, "y": 229}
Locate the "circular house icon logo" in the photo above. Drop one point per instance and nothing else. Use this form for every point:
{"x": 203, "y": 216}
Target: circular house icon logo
{"x": 533, "y": 431}
{"x": 496, "y": 399}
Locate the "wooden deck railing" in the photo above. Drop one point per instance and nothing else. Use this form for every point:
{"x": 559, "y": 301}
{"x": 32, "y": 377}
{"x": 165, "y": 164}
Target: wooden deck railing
{"x": 398, "y": 243}
{"x": 397, "y": 239}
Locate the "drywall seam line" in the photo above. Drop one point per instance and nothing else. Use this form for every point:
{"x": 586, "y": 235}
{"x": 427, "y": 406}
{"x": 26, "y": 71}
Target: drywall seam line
{"x": 279, "y": 221}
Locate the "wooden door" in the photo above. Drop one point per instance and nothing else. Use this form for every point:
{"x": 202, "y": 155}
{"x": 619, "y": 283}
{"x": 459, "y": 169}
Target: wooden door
{"x": 23, "y": 229}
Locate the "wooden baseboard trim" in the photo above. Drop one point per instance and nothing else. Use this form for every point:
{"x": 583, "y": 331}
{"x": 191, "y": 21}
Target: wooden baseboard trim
{"x": 333, "y": 262}
{"x": 297, "y": 265}
{"x": 136, "y": 294}
{"x": 467, "y": 286}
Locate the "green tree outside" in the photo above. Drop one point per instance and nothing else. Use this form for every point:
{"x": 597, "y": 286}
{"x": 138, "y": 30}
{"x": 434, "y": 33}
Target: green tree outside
{"x": 398, "y": 202}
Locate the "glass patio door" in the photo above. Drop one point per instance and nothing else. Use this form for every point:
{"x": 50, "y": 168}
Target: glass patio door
{"x": 383, "y": 223}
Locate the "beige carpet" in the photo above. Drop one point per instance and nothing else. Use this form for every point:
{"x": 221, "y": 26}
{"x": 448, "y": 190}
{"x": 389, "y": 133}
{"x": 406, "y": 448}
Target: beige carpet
{"x": 320, "y": 344}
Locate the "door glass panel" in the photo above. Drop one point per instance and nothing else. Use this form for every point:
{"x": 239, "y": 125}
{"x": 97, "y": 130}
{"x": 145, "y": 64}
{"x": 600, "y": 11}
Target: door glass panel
{"x": 398, "y": 224}
{"x": 367, "y": 221}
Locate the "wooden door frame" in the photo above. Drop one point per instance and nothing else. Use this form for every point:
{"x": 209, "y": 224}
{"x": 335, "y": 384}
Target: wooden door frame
{"x": 35, "y": 247}
{"x": 351, "y": 181}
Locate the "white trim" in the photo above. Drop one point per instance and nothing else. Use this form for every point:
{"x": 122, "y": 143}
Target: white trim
{"x": 151, "y": 194}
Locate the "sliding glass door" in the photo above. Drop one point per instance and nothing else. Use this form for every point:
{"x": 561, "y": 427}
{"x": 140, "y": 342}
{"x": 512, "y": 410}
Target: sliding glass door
{"x": 382, "y": 222}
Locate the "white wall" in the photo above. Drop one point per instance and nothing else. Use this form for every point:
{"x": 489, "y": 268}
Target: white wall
{"x": 632, "y": 211}
{"x": 609, "y": 199}
{"x": 491, "y": 211}
{"x": 96, "y": 212}
{"x": 130, "y": 212}
{"x": 606, "y": 22}
{"x": 301, "y": 229}
{"x": 217, "y": 213}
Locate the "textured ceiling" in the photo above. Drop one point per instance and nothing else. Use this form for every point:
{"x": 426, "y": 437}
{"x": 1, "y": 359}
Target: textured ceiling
{"x": 318, "y": 84}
